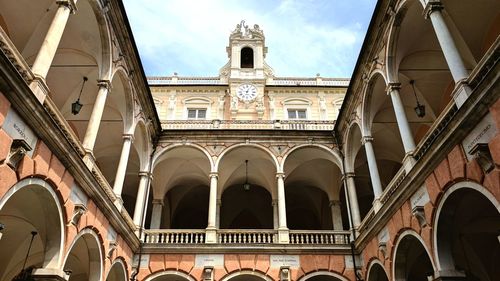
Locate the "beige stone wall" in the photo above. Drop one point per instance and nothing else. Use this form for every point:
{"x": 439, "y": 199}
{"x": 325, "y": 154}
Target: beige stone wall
{"x": 320, "y": 103}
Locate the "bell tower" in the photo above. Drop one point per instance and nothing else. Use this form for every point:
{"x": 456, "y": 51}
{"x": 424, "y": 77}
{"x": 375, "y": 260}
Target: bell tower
{"x": 246, "y": 72}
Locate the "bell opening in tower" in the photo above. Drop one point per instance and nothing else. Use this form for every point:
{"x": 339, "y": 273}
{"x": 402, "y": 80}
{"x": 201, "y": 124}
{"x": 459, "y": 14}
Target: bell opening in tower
{"x": 247, "y": 57}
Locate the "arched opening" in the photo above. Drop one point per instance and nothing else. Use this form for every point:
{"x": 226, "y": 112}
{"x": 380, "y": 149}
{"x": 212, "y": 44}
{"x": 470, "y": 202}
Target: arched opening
{"x": 246, "y": 276}
{"x": 246, "y": 188}
{"x": 246, "y": 209}
{"x": 247, "y": 57}
{"x": 117, "y": 272}
{"x": 377, "y": 273}
{"x": 381, "y": 119}
{"x": 28, "y": 207}
{"x": 411, "y": 261}
{"x": 181, "y": 189}
{"x": 467, "y": 235}
{"x": 312, "y": 189}
{"x": 323, "y": 276}
{"x": 169, "y": 275}
{"x": 84, "y": 259}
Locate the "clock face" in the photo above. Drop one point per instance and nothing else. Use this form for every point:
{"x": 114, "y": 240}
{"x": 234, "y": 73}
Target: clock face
{"x": 247, "y": 92}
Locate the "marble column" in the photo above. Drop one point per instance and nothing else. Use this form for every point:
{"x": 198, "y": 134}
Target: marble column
{"x": 51, "y": 41}
{"x": 95, "y": 117}
{"x": 372, "y": 167}
{"x": 212, "y": 203}
{"x": 49, "y": 46}
{"x": 122, "y": 165}
{"x": 336, "y": 215}
{"x": 156, "y": 214}
{"x": 217, "y": 218}
{"x": 433, "y": 10}
{"x": 352, "y": 200}
{"x": 281, "y": 201}
{"x": 283, "y": 234}
{"x": 142, "y": 193}
{"x": 275, "y": 214}
{"x": 401, "y": 119}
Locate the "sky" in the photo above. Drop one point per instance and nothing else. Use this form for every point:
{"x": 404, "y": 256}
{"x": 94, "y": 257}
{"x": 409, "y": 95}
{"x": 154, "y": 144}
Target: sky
{"x": 304, "y": 37}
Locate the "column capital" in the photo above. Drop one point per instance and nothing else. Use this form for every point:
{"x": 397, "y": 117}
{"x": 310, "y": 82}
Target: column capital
{"x": 128, "y": 137}
{"x": 280, "y": 175}
{"x": 213, "y": 175}
{"x": 146, "y": 174}
{"x": 158, "y": 201}
{"x": 432, "y": 6}
{"x": 392, "y": 86}
{"x": 104, "y": 84}
{"x": 335, "y": 203}
{"x": 366, "y": 139}
{"x": 70, "y": 4}
{"x": 348, "y": 175}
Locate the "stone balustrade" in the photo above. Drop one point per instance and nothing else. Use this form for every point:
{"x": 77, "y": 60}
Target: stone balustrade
{"x": 247, "y": 236}
{"x": 310, "y": 125}
{"x": 174, "y": 236}
{"x": 319, "y": 237}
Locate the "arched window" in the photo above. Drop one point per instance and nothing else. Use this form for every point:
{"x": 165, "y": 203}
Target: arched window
{"x": 247, "y": 57}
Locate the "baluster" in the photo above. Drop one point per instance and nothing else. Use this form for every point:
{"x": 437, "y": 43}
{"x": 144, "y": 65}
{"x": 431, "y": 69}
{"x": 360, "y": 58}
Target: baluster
{"x": 321, "y": 239}
{"x": 254, "y": 240}
{"x": 300, "y": 238}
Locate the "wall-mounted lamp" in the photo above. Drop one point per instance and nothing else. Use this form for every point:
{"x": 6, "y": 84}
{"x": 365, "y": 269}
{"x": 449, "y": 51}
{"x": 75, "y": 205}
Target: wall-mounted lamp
{"x": 246, "y": 185}
{"x": 77, "y": 106}
{"x": 420, "y": 108}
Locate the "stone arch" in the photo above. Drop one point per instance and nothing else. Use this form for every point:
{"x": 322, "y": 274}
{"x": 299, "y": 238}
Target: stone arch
{"x": 31, "y": 205}
{"x": 85, "y": 257}
{"x": 117, "y": 271}
{"x": 105, "y": 69}
{"x": 158, "y": 156}
{"x": 352, "y": 145}
{"x": 229, "y": 149}
{"x": 323, "y": 276}
{"x": 334, "y": 152}
{"x": 246, "y": 275}
{"x": 366, "y": 112}
{"x": 411, "y": 259}
{"x": 464, "y": 233}
{"x": 168, "y": 274}
{"x": 123, "y": 77}
{"x": 376, "y": 271}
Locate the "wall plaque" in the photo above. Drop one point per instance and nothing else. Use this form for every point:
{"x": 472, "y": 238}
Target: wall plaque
{"x": 420, "y": 197}
{"x": 209, "y": 260}
{"x": 278, "y": 261}
{"x": 484, "y": 131}
{"x": 16, "y": 128}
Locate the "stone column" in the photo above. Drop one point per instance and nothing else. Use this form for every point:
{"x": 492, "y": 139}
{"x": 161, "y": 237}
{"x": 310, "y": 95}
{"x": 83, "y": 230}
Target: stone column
{"x": 275, "y": 214}
{"x": 372, "y": 166}
{"x": 450, "y": 51}
{"x": 403, "y": 124}
{"x": 282, "y": 228}
{"x": 49, "y": 46}
{"x": 142, "y": 194}
{"x": 336, "y": 215}
{"x": 211, "y": 233}
{"x": 122, "y": 165}
{"x": 217, "y": 218}
{"x": 352, "y": 200}
{"x": 156, "y": 214}
{"x": 95, "y": 117}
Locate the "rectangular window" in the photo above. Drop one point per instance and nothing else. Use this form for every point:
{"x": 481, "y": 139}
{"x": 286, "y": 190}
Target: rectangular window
{"x": 297, "y": 114}
{"x": 199, "y": 113}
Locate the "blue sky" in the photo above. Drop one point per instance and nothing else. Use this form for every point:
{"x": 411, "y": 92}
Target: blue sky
{"x": 304, "y": 37}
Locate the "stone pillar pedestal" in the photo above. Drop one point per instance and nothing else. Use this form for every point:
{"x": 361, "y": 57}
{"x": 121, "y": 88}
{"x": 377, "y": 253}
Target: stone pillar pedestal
{"x": 49, "y": 274}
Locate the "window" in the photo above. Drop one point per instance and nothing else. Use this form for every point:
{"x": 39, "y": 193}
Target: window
{"x": 247, "y": 57}
{"x": 297, "y": 114}
{"x": 197, "y": 113}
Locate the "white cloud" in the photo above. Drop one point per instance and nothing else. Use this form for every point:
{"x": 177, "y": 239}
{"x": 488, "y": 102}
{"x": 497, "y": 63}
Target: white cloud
{"x": 190, "y": 36}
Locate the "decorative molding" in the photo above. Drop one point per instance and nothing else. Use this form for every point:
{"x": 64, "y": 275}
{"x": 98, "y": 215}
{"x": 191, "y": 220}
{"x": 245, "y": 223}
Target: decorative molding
{"x": 419, "y": 213}
{"x": 78, "y": 211}
{"x": 18, "y": 149}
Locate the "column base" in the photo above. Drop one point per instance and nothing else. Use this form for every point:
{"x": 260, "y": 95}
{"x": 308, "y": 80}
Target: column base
{"x": 49, "y": 274}
{"x": 409, "y": 161}
{"x": 39, "y": 88}
{"x": 461, "y": 93}
{"x": 283, "y": 236}
{"x": 448, "y": 275}
{"x": 211, "y": 235}
{"x": 377, "y": 205}
{"x": 118, "y": 202}
{"x": 89, "y": 159}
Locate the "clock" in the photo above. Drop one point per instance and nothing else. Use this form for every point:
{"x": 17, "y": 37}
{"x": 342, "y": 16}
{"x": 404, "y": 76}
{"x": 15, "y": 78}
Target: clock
{"x": 246, "y": 92}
